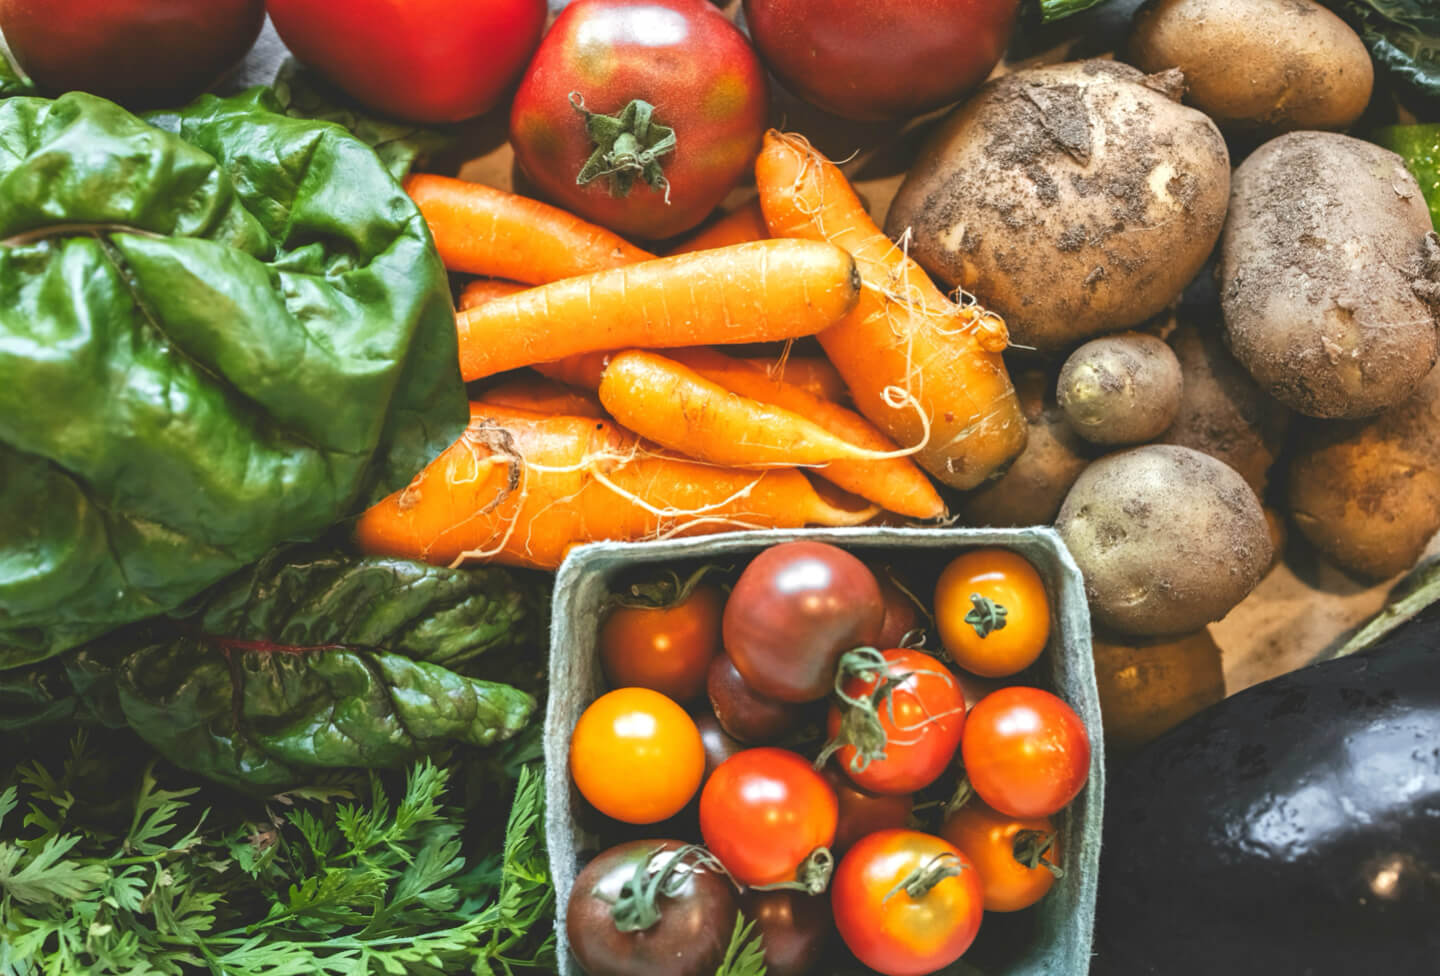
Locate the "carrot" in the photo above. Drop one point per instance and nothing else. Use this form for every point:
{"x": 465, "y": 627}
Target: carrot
{"x": 894, "y": 483}
{"x": 746, "y": 223}
{"x": 746, "y": 293}
{"x": 485, "y": 231}
{"x": 482, "y": 290}
{"x": 922, "y": 369}
{"x": 672, "y": 405}
{"x": 522, "y": 489}
{"x": 582, "y": 371}
{"x": 543, "y": 397}
{"x": 813, "y": 374}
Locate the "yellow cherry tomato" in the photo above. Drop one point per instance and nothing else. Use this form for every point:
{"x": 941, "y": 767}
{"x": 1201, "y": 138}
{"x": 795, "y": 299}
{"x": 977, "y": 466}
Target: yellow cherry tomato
{"x": 636, "y": 756}
{"x": 992, "y": 612}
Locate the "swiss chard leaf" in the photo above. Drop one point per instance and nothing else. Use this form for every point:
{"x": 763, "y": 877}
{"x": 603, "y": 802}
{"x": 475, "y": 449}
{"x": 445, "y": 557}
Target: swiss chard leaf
{"x": 219, "y": 330}
{"x": 1403, "y": 37}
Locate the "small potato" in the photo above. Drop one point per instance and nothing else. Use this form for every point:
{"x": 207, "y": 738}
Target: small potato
{"x": 1223, "y": 413}
{"x": 1258, "y": 66}
{"x": 1074, "y": 199}
{"x": 1367, "y": 494}
{"x": 1168, "y": 539}
{"x": 1147, "y": 689}
{"x": 1329, "y": 275}
{"x": 1120, "y": 389}
{"x": 1031, "y": 491}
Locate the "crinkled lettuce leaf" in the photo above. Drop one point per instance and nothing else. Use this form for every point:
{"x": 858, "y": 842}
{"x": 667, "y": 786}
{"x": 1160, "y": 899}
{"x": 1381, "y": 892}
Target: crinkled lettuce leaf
{"x": 220, "y": 330}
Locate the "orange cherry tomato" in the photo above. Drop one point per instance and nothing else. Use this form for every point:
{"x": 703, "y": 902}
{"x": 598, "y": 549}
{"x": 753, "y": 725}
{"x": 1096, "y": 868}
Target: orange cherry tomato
{"x": 636, "y": 756}
{"x": 1007, "y": 852}
{"x": 665, "y": 649}
{"x": 992, "y": 612}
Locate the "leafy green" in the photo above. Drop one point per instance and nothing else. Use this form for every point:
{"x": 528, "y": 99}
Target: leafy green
{"x": 745, "y": 955}
{"x": 12, "y": 82}
{"x": 219, "y": 330}
{"x": 1403, "y": 37}
{"x": 1419, "y": 146}
{"x": 1053, "y": 10}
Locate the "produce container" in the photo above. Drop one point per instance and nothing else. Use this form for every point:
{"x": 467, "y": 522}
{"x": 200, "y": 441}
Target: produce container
{"x": 1058, "y": 944}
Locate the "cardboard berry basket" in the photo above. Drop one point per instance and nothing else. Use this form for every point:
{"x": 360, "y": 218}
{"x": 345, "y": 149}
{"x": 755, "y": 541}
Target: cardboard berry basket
{"x": 1053, "y": 938}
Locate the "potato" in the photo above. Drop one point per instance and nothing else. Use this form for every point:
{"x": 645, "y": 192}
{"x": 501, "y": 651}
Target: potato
{"x": 1073, "y": 199}
{"x": 1168, "y": 539}
{"x": 1367, "y": 493}
{"x": 1329, "y": 275}
{"x": 1223, "y": 413}
{"x": 1031, "y": 491}
{"x": 1120, "y": 389}
{"x": 1258, "y": 66}
{"x": 1147, "y": 689}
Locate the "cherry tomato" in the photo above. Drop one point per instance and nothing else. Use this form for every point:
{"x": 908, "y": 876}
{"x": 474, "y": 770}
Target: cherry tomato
{"x": 902, "y": 616}
{"x": 992, "y": 612}
{"x": 655, "y": 67}
{"x": 922, "y": 720}
{"x": 665, "y": 649}
{"x": 764, "y": 812}
{"x": 747, "y": 716}
{"x": 1007, "y": 852}
{"x": 794, "y": 928}
{"x": 719, "y": 745}
{"x": 862, "y": 813}
{"x": 906, "y": 903}
{"x": 795, "y": 609}
{"x": 636, "y": 756}
{"x": 426, "y": 60}
{"x": 1026, "y": 752}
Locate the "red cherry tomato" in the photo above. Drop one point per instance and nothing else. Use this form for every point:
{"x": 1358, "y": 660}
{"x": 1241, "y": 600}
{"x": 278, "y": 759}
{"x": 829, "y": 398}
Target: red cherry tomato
{"x": 764, "y": 812}
{"x": 1008, "y": 853}
{"x": 687, "y": 63}
{"x": 665, "y": 649}
{"x": 1026, "y": 752}
{"x": 922, "y": 721}
{"x": 862, "y": 813}
{"x": 906, "y": 903}
{"x": 426, "y": 60}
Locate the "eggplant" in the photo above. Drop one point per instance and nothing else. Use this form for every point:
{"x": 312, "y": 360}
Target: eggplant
{"x": 1291, "y": 829}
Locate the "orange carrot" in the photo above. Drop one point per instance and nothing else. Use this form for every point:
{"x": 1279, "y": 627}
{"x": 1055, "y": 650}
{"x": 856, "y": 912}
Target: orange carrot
{"x": 672, "y": 405}
{"x": 919, "y": 367}
{"x": 754, "y": 292}
{"x": 895, "y": 483}
{"x": 583, "y": 371}
{"x": 485, "y": 231}
{"x": 813, "y": 374}
{"x": 522, "y": 489}
{"x": 543, "y": 397}
{"x": 745, "y": 223}
{"x": 482, "y": 290}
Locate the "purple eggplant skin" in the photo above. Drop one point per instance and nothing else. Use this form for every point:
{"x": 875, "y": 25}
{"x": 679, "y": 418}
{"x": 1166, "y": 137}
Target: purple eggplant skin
{"x": 1293, "y": 828}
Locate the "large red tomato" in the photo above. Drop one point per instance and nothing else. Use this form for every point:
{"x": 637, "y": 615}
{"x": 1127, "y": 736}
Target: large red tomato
{"x": 657, "y": 69}
{"x": 885, "y": 60}
{"x": 426, "y": 60}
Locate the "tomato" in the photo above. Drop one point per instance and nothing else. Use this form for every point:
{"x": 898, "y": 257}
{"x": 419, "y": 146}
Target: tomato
{"x": 1006, "y": 852}
{"x": 1026, "y": 752}
{"x": 719, "y": 745}
{"x": 764, "y": 812}
{"x": 906, "y": 903}
{"x": 921, "y": 719}
{"x": 992, "y": 612}
{"x": 665, "y": 649}
{"x": 636, "y": 756}
{"x": 902, "y": 617}
{"x": 862, "y": 813}
{"x": 889, "y": 59}
{"x": 684, "y": 68}
{"x": 793, "y": 927}
{"x": 695, "y": 912}
{"x": 796, "y": 608}
{"x": 425, "y": 60}
{"x": 741, "y": 712}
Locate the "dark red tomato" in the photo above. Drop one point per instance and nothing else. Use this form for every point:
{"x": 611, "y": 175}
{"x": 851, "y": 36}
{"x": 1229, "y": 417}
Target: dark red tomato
{"x": 658, "y": 67}
{"x": 902, "y": 616}
{"x": 794, "y": 928}
{"x": 862, "y": 813}
{"x": 665, "y": 649}
{"x": 1025, "y": 751}
{"x": 747, "y": 716}
{"x": 696, "y": 907}
{"x": 793, "y": 612}
{"x": 906, "y": 903}
{"x": 426, "y": 60}
{"x": 719, "y": 745}
{"x": 886, "y": 60}
{"x": 143, "y": 53}
{"x": 764, "y": 813}
{"x": 922, "y": 722}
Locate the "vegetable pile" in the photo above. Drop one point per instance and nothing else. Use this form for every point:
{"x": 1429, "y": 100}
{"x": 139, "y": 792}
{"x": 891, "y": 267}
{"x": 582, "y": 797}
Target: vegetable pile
{"x": 744, "y": 805}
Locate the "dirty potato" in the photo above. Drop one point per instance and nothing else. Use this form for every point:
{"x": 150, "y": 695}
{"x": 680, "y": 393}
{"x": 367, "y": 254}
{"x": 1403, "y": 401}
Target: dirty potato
{"x": 1120, "y": 389}
{"x": 1149, "y": 688}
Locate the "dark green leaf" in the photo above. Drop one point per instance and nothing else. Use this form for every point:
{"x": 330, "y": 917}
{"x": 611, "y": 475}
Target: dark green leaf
{"x": 1403, "y": 37}
{"x": 220, "y": 331}
{"x": 1052, "y": 10}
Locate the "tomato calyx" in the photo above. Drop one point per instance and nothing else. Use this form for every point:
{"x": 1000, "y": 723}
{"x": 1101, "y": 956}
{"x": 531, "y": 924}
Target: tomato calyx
{"x": 811, "y": 877}
{"x": 918, "y": 882}
{"x": 662, "y": 594}
{"x": 987, "y": 617}
{"x": 860, "y": 725}
{"x": 638, "y": 906}
{"x": 1030, "y": 848}
{"x": 627, "y": 145}
{"x": 963, "y": 794}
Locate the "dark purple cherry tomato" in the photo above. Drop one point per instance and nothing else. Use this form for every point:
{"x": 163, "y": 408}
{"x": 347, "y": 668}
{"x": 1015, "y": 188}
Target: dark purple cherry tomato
{"x": 863, "y": 813}
{"x": 719, "y": 744}
{"x": 794, "y": 928}
{"x": 747, "y": 716}
{"x": 902, "y": 616}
